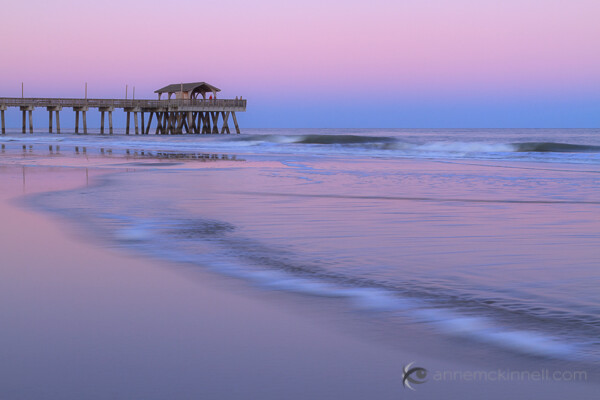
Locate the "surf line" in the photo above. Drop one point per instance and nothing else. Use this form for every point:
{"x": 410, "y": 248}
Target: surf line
{"x": 431, "y": 199}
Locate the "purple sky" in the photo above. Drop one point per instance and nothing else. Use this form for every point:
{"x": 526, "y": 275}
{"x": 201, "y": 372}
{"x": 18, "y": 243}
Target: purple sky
{"x": 326, "y": 63}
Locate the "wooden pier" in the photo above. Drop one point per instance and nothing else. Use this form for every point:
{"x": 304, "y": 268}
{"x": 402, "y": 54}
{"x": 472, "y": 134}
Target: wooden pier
{"x": 185, "y": 114}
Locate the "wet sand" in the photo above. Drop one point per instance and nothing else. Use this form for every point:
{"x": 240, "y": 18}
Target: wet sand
{"x": 84, "y": 321}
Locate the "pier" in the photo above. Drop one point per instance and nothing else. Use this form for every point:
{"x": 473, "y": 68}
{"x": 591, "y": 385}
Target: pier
{"x": 190, "y": 112}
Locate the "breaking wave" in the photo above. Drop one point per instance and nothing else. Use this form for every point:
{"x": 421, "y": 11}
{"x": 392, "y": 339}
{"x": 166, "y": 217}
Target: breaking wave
{"x": 552, "y": 147}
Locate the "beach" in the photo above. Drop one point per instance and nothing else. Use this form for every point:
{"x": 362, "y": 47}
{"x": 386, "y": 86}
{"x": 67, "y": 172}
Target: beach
{"x": 175, "y": 268}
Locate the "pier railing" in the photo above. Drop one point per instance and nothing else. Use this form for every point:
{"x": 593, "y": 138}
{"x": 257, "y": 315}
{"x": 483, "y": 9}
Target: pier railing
{"x": 122, "y": 103}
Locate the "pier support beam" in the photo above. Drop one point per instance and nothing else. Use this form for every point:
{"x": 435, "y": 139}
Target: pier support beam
{"x": 215, "y": 120}
{"x": 83, "y": 114}
{"x": 57, "y": 121}
{"x": 225, "y": 128}
{"x": 103, "y": 110}
{"x": 2, "y": 117}
{"x": 147, "y": 131}
{"x": 24, "y": 110}
{"x": 130, "y": 110}
{"x": 158, "y": 122}
{"x": 50, "y": 110}
{"x": 237, "y": 127}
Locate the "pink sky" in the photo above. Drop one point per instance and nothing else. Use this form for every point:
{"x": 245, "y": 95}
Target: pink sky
{"x": 426, "y": 51}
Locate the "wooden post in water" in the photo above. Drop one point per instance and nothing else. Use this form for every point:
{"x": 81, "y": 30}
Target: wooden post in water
{"x": 101, "y": 122}
{"x": 83, "y": 114}
{"x": 57, "y": 121}
{"x": 237, "y": 128}
{"x": 24, "y": 119}
{"x": 110, "y": 125}
{"x": 76, "y": 121}
{"x": 50, "y": 110}
{"x": 127, "y": 126}
{"x": 143, "y": 125}
{"x": 2, "y": 117}
{"x": 158, "y": 122}
{"x": 31, "y": 121}
{"x": 215, "y": 120}
{"x": 135, "y": 120}
{"x": 149, "y": 123}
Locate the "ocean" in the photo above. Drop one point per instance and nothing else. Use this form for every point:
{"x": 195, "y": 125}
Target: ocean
{"x": 490, "y": 237}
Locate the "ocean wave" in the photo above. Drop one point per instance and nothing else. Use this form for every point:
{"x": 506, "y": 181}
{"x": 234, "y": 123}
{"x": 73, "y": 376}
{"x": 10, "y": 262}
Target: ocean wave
{"x": 445, "y": 146}
{"x": 553, "y": 147}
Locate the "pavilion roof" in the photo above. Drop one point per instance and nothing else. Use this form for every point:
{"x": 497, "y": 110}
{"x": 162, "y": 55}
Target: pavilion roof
{"x": 202, "y": 87}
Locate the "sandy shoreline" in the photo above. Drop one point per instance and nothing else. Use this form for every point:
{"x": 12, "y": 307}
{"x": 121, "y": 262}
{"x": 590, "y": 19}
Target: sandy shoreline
{"x": 81, "y": 321}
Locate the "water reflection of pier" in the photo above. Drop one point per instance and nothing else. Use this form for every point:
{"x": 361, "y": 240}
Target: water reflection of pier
{"x": 57, "y": 150}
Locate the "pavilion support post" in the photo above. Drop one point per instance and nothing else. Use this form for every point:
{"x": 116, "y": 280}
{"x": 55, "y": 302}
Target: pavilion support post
{"x": 127, "y": 126}
{"x": 57, "y": 121}
{"x": 110, "y": 124}
{"x": 135, "y": 121}
{"x": 102, "y": 122}
{"x": 50, "y": 121}
{"x": 83, "y": 114}
{"x": 24, "y": 120}
{"x": 237, "y": 128}
{"x": 76, "y": 121}
{"x": 3, "y": 121}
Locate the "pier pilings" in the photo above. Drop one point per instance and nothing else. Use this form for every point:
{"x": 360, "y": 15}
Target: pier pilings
{"x": 3, "y": 118}
{"x": 54, "y": 109}
{"x": 104, "y": 110}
